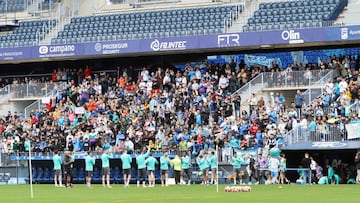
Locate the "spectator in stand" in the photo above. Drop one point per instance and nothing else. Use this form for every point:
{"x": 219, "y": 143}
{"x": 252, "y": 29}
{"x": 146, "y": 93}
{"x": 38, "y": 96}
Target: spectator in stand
{"x": 299, "y": 100}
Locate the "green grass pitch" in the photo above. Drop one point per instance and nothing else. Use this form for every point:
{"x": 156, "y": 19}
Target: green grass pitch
{"x": 181, "y": 193}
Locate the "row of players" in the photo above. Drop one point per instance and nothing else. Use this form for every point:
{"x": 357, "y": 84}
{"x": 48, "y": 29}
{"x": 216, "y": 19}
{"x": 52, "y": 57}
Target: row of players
{"x": 145, "y": 165}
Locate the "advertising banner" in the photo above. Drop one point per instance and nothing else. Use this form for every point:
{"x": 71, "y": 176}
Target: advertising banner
{"x": 168, "y": 44}
{"x": 111, "y": 47}
{"x": 16, "y": 53}
{"x": 343, "y": 33}
{"x": 58, "y": 51}
{"x": 353, "y": 130}
{"x": 215, "y": 41}
{"x": 293, "y": 36}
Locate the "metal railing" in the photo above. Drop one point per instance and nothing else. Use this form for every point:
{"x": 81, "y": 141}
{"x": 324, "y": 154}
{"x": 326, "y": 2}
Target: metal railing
{"x": 286, "y": 79}
{"x": 324, "y": 133}
{"x": 38, "y": 105}
{"x": 297, "y": 134}
{"x": 295, "y": 78}
{"x": 31, "y": 90}
{"x": 317, "y": 88}
{"x": 253, "y": 86}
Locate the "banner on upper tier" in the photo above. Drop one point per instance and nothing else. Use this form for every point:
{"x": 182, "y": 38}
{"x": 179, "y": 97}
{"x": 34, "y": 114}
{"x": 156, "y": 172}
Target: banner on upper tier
{"x": 353, "y": 130}
{"x": 184, "y": 43}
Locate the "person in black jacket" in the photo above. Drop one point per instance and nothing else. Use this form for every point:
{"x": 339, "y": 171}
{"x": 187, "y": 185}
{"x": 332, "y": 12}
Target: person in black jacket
{"x": 305, "y": 163}
{"x": 68, "y": 165}
{"x": 252, "y": 169}
{"x": 357, "y": 166}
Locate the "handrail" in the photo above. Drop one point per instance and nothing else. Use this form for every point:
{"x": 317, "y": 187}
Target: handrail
{"x": 37, "y": 103}
{"x": 295, "y": 135}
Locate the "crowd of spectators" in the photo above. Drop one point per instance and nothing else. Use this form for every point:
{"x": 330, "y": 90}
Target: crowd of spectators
{"x": 169, "y": 109}
{"x": 338, "y": 105}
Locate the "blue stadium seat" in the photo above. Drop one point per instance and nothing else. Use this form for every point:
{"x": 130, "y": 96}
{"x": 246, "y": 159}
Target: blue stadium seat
{"x": 40, "y": 175}
{"x": 276, "y": 27}
{"x": 97, "y": 175}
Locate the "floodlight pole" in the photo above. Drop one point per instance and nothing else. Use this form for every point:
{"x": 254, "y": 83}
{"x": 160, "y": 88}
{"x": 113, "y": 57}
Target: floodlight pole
{"x": 30, "y": 172}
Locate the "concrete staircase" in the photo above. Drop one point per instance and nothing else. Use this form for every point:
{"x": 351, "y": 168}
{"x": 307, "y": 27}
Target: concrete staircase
{"x": 350, "y": 15}
{"x": 62, "y": 14}
{"x": 249, "y": 7}
{"x": 254, "y": 86}
{"x": 259, "y": 87}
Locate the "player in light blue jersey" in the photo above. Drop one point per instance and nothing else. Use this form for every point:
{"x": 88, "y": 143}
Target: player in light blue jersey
{"x": 236, "y": 162}
{"x": 164, "y": 167}
{"x": 213, "y": 167}
{"x": 126, "y": 167}
{"x": 89, "y": 167}
{"x": 140, "y": 161}
{"x": 185, "y": 163}
{"x": 204, "y": 165}
{"x": 105, "y": 160}
{"x": 150, "y": 164}
{"x": 57, "y": 170}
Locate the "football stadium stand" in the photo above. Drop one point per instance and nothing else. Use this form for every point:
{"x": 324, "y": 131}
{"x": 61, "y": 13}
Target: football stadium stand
{"x": 13, "y": 6}
{"x": 164, "y": 23}
{"x": 295, "y": 14}
{"x": 28, "y": 33}
{"x": 246, "y": 104}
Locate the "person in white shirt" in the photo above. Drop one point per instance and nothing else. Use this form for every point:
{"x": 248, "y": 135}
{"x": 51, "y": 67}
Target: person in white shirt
{"x": 145, "y": 74}
{"x": 343, "y": 85}
{"x": 313, "y": 169}
{"x": 307, "y": 76}
{"x": 329, "y": 87}
{"x": 274, "y": 164}
{"x": 198, "y": 74}
{"x": 142, "y": 85}
{"x": 303, "y": 126}
{"x": 184, "y": 80}
{"x": 252, "y": 100}
{"x": 149, "y": 86}
{"x": 223, "y": 82}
